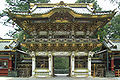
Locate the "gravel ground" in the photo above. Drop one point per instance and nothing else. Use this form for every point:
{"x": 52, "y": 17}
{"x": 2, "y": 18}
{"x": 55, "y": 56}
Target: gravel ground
{"x": 59, "y": 78}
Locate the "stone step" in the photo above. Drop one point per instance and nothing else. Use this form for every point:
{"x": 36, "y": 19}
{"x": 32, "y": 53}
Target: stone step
{"x": 81, "y": 70}
{"x": 81, "y": 75}
{"x": 36, "y": 75}
{"x": 41, "y": 70}
{"x": 41, "y": 74}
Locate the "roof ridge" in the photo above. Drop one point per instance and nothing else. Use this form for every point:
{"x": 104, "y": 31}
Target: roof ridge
{"x": 61, "y": 3}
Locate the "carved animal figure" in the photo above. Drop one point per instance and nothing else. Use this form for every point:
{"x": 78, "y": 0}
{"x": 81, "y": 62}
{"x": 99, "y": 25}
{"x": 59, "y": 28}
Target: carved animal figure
{"x": 42, "y": 65}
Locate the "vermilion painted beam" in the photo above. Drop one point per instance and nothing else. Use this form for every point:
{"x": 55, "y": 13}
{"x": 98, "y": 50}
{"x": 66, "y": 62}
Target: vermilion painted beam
{"x": 112, "y": 63}
{"x": 3, "y": 74}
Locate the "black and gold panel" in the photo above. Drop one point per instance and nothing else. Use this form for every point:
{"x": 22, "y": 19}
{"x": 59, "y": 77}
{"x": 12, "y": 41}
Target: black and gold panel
{"x": 58, "y": 24}
{"x": 61, "y": 16}
{"x": 81, "y": 62}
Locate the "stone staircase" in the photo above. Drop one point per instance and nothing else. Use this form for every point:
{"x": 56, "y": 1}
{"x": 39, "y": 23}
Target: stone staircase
{"x": 41, "y": 73}
{"x": 81, "y": 73}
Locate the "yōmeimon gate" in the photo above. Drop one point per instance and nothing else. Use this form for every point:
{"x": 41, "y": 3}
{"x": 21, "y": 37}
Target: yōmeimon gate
{"x": 61, "y": 30}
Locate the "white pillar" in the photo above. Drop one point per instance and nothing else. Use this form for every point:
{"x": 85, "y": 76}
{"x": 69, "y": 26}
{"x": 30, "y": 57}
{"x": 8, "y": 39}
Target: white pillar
{"x": 50, "y": 65}
{"x": 89, "y": 65}
{"x": 72, "y": 64}
{"x": 33, "y": 65}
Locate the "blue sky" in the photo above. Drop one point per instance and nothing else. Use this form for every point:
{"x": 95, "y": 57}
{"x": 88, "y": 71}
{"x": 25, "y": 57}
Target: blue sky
{"x": 105, "y": 4}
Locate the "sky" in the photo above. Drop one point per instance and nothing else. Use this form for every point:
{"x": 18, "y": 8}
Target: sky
{"x": 104, "y": 4}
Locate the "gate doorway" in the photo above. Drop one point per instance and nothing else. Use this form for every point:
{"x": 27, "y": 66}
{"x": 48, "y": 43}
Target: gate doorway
{"x": 61, "y": 66}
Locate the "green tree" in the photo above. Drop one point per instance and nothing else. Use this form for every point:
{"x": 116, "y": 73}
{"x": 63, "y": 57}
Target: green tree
{"x": 19, "y": 5}
{"x": 114, "y": 28}
{"x": 23, "y": 4}
{"x": 111, "y": 30}
{"x": 95, "y": 5}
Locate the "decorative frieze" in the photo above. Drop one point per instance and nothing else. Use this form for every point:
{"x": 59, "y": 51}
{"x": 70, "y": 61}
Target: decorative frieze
{"x": 81, "y": 54}
{"x": 41, "y": 53}
{"x": 61, "y": 53}
{"x": 82, "y": 40}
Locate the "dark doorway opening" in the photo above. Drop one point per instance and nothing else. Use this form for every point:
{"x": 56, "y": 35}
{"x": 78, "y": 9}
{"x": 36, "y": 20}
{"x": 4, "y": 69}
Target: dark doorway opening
{"x": 61, "y": 66}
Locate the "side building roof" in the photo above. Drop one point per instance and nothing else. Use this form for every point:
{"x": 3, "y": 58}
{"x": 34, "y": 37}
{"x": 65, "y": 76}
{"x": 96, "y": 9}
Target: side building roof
{"x": 7, "y": 45}
{"x": 114, "y": 45}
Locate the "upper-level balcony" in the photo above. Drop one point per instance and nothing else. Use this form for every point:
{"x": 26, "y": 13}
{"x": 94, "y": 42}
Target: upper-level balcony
{"x": 61, "y": 44}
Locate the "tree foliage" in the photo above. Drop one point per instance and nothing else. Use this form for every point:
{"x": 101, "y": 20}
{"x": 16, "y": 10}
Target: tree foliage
{"x": 19, "y": 5}
{"x": 114, "y": 29}
{"x": 23, "y": 4}
{"x": 111, "y": 30}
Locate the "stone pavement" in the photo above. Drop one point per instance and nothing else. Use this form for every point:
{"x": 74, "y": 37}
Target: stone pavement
{"x": 58, "y": 78}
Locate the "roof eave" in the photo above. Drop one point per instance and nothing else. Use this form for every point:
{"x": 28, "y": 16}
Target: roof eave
{"x": 75, "y": 15}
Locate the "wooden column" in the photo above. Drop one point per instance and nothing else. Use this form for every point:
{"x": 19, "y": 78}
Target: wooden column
{"x": 112, "y": 63}
{"x": 10, "y": 63}
{"x": 107, "y": 61}
{"x": 50, "y": 65}
{"x": 89, "y": 66}
{"x": 94, "y": 71}
{"x": 72, "y": 64}
{"x": 89, "y": 62}
{"x": 33, "y": 64}
{"x": 15, "y": 61}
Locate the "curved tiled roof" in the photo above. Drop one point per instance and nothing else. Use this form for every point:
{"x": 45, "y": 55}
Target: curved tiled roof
{"x": 75, "y": 10}
{"x": 41, "y": 10}
{"x": 83, "y": 9}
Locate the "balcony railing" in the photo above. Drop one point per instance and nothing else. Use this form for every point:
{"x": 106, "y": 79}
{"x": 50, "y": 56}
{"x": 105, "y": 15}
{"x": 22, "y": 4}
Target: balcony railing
{"x": 62, "y": 40}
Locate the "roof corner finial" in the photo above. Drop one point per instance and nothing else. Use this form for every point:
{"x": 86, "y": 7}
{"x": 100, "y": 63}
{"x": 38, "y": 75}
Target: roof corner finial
{"x": 62, "y": 3}
{"x": 115, "y": 10}
{"x": 91, "y": 5}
